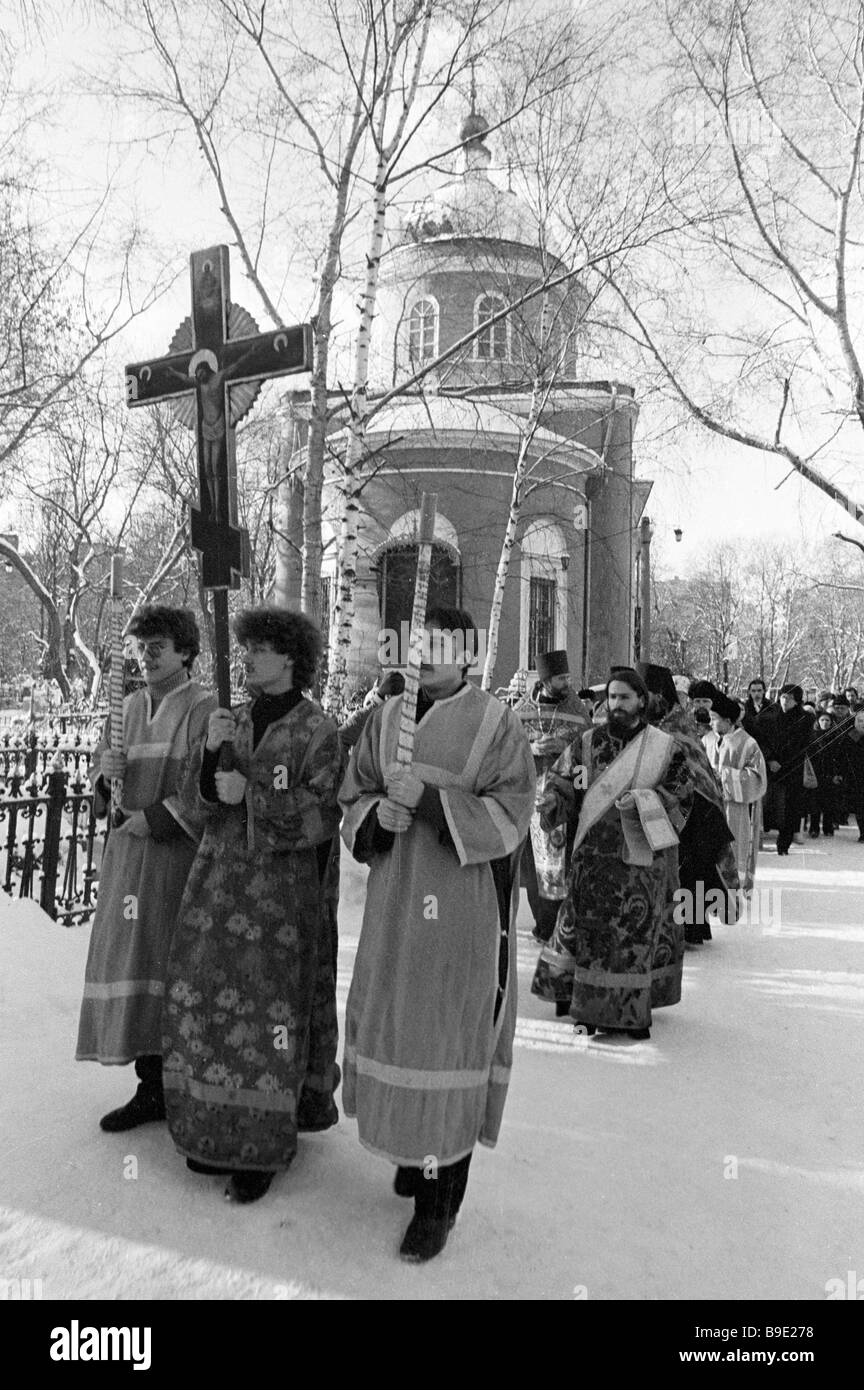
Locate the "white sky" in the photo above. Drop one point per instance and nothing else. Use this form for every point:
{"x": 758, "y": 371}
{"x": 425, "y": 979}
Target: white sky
{"x": 710, "y": 489}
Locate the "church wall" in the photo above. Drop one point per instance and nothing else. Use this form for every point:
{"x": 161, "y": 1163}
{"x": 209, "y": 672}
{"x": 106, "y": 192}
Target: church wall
{"x": 476, "y": 504}
{"x": 455, "y": 274}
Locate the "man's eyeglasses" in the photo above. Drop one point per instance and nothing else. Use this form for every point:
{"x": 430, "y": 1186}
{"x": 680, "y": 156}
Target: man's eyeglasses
{"x": 151, "y": 648}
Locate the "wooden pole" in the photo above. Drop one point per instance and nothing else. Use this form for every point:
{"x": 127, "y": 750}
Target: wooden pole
{"x": 408, "y": 723}
{"x": 118, "y": 671}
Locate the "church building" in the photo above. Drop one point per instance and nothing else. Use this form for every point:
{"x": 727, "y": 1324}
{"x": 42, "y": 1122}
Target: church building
{"x": 458, "y": 258}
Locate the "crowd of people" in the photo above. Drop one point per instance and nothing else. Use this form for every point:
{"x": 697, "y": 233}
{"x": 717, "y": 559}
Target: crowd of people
{"x": 213, "y": 953}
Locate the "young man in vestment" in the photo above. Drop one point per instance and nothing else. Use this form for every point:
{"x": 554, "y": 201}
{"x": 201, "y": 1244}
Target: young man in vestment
{"x": 553, "y": 716}
{"x": 623, "y": 869}
{"x": 244, "y": 1011}
{"x": 146, "y": 861}
{"x": 432, "y": 1008}
{"x": 738, "y": 762}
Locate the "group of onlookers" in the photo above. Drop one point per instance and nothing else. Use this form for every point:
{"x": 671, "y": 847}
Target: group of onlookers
{"x": 815, "y": 758}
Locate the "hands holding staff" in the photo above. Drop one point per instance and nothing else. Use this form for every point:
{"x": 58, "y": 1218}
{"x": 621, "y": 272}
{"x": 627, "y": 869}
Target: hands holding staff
{"x": 221, "y": 728}
{"x": 112, "y": 764}
{"x": 404, "y": 792}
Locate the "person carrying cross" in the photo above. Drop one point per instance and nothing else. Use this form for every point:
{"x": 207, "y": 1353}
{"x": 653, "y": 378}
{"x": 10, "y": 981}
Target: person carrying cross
{"x": 251, "y": 953}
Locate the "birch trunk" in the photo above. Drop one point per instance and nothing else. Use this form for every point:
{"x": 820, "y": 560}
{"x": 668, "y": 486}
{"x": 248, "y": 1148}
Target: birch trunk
{"x": 343, "y": 613}
{"x": 539, "y": 395}
{"x": 509, "y": 541}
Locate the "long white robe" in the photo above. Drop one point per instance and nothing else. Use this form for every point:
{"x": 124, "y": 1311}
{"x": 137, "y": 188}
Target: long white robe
{"x": 740, "y": 766}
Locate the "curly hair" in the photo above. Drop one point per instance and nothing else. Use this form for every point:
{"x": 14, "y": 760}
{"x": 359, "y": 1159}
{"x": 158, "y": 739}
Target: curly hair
{"x": 180, "y": 624}
{"x": 292, "y": 634}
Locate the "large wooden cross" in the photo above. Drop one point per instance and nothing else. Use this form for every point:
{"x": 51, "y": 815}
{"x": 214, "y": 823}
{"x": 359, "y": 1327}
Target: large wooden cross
{"x": 216, "y": 350}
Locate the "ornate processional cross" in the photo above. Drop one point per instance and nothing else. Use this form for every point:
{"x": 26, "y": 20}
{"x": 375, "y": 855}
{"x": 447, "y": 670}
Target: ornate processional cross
{"x": 212, "y": 374}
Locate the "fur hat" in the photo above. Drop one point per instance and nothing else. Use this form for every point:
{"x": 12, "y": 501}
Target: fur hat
{"x": 702, "y": 690}
{"x": 725, "y": 707}
{"x": 551, "y": 664}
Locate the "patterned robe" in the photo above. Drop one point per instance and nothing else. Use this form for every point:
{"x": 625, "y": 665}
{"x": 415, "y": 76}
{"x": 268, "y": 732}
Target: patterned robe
{"x": 251, "y": 958}
{"x": 141, "y": 880}
{"x": 738, "y": 762}
{"x": 543, "y": 868}
{"x": 432, "y": 1008}
{"x": 707, "y": 870}
{"x": 615, "y": 952}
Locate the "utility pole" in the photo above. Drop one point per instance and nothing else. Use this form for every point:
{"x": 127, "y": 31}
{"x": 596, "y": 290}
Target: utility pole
{"x": 645, "y": 534}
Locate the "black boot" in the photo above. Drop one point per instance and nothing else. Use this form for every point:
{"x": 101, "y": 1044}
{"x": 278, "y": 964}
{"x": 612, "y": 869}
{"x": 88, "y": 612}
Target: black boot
{"x": 436, "y": 1206}
{"x": 246, "y": 1186}
{"x": 147, "y": 1104}
{"x": 405, "y": 1181}
{"x": 316, "y": 1111}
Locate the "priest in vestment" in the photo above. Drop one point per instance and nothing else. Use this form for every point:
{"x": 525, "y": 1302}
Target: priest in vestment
{"x": 553, "y": 715}
{"x": 603, "y": 956}
{"x": 250, "y": 1007}
{"x": 146, "y": 860}
{"x": 432, "y": 1008}
{"x": 738, "y": 762}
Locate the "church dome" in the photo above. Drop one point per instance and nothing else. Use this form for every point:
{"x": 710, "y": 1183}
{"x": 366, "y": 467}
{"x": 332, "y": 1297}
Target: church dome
{"x": 471, "y": 205}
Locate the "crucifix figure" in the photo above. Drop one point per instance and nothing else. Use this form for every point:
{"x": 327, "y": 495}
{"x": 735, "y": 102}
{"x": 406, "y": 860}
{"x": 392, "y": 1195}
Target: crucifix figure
{"x": 220, "y": 357}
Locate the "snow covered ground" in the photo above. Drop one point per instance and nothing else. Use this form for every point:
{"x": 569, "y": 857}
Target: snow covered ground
{"x": 720, "y": 1160}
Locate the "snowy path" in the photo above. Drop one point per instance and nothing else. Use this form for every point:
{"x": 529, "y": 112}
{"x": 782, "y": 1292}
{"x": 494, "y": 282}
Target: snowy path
{"x": 615, "y": 1176}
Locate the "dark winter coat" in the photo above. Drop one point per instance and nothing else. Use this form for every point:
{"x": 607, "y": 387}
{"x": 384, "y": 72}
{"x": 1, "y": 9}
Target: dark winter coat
{"x": 791, "y": 732}
{"x": 824, "y": 754}
{"x": 851, "y": 761}
{"x": 760, "y": 725}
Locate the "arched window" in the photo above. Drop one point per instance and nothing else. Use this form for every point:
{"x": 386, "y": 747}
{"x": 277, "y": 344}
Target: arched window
{"x": 543, "y": 615}
{"x": 423, "y": 330}
{"x": 396, "y": 573}
{"x": 492, "y": 343}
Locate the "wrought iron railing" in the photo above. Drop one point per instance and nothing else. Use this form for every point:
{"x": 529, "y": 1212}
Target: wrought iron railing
{"x": 51, "y": 843}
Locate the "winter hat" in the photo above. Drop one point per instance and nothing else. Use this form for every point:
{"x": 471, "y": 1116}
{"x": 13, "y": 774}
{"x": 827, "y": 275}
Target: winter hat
{"x": 659, "y": 681}
{"x": 702, "y": 690}
{"x": 393, "y": 683}
{"x": 842, "y": 701}
{"x": 726, "y": 708}
{"x": 551, "y": 664}
{"x": 796, "y": 692}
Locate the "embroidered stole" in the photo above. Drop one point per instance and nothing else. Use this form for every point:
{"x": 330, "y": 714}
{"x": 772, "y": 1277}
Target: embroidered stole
{"x": 641, "y": 764}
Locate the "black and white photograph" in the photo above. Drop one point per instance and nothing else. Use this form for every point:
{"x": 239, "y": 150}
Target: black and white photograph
{"x": 431, "y": 602}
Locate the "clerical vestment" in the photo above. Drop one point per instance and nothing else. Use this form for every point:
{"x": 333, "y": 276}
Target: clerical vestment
{"x": 252, "y": 936}
{"x": 141, "y": 880}
{"x": 544, "y": 857}
{"x": 615, "y": 951}
{"x": 432, "y": 1007}
{"x": 740, "y": 765}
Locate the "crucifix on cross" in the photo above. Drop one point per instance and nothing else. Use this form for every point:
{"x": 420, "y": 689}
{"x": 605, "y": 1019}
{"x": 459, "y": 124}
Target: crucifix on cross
{"x": 219, "y": 356}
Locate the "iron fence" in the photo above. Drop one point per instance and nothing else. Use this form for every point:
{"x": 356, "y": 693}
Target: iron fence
{"x": 51, "y": 843}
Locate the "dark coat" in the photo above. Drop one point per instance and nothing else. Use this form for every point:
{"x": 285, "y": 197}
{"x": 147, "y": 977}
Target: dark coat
{"x": 824, "y": 754}
{"x": 760, "y": 726}
{"x": 791, "y": 732}
{"x": 851, "y": 761}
